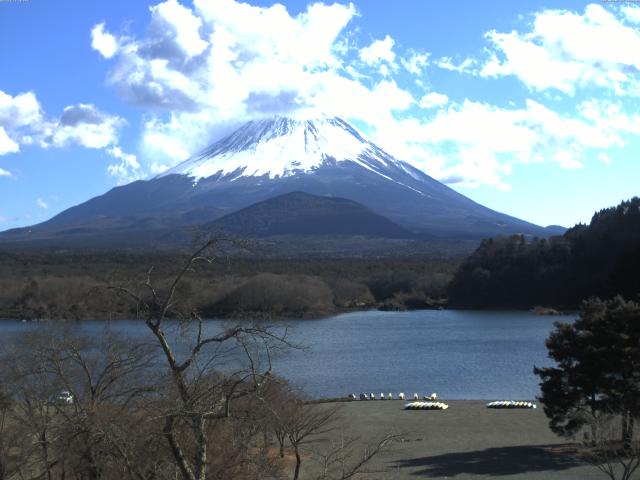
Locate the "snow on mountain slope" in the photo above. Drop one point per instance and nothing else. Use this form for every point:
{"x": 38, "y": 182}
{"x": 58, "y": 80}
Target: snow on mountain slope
{"x": 282, "y": 147}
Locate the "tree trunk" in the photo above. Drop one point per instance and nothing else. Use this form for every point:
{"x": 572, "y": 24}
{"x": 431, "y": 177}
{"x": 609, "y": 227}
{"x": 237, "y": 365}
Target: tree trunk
{"x": 201, "y": 447}
{"x": 594, "y": 433}
{"x": 92, "y": 468}
{"x": 628, "y": 433}
{"x": 45, "y": 453}
{"x": 178, "y": 455}
{"x": 296, "y": 474}
{"x": 627, "y": 430}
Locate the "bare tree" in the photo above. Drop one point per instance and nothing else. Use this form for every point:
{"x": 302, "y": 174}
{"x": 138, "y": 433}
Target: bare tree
{"x": 308, "y": 428}
{"x": 614, "y": 456}
{"x": 292, "y": 419}
{"x": 92, "y": 429}
{"x": 345, "y": 458}
{"x": 31, "y": 413}
{"x": 11, "y": 438}
{"x": 200, "y": 400}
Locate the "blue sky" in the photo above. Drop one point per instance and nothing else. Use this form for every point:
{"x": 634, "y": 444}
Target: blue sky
{"x": 527, "y": 107}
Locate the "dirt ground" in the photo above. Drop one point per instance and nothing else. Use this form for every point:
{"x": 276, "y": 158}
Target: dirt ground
{"x": 467, "y": 441}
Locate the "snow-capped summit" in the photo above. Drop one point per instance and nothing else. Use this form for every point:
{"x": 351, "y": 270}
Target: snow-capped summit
{"x": 282, "y": 146}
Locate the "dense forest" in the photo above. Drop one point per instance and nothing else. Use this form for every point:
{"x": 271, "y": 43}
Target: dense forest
{"x": 68, "y": 285}
{"x": 600, "y": 259}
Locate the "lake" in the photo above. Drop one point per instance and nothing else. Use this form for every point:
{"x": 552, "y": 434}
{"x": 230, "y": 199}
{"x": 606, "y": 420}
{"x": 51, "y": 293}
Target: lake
{"x": 459, "y": 354}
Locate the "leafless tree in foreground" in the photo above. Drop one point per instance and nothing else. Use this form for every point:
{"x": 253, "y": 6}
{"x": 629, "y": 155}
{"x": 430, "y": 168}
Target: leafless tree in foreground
{"x": 96, "y": 430}
{"x": 10, "y": 437}
{"x": 346, "y": 458}
{"x": 308, "y": 429}
{"x": 202, "y": 400}
{"x": 615, "y": 458}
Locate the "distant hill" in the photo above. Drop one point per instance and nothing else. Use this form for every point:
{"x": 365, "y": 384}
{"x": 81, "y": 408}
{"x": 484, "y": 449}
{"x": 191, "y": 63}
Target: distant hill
{"x": 299, "y": 213}
{"x": 599, "y": 259}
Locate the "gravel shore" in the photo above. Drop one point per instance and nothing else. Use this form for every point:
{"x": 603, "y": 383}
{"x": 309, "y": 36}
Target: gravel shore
{"x": 466, "y": 441}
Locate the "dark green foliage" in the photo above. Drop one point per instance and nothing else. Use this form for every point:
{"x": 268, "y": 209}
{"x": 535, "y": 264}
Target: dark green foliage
{"x": 598, "y": 367}
{"x": 601, "y": 259}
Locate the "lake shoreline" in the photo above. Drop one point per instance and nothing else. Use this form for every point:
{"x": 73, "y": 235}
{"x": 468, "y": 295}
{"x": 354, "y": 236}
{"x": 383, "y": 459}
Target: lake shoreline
{"x": 307, "y": 315}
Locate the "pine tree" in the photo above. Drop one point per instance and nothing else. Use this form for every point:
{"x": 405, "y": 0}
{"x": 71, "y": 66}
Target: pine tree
{"x": 598, "y": 368}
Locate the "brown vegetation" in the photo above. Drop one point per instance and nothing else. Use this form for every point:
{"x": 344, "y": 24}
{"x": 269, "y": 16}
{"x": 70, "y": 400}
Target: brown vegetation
{"x": 67, "y": 285}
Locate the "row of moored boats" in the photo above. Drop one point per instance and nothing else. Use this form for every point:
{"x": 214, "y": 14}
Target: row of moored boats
{"x": 390, "y": 396}
{"x": 510, "y": 404}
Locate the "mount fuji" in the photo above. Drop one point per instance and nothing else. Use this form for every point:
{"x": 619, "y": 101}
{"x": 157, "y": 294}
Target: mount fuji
{"x": 324, "y": 157}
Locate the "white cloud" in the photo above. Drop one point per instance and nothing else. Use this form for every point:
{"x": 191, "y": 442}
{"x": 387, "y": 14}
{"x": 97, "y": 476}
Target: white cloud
{"x": 6, "y": 144}
{"x": 176, "y": 25}
{"x": 23, "y": 109}
{"x": 448, "y": 63}
{"x": 42, "y": 204}
{"x": 631, "y": 13}
{"x": 565, "y": 50}
{"x": 474, "y": 143}
{"x": 23, "y": 122}
{"x": 433, "y": 100}
{"x": 608, "y": 116}
{"x": 378, "y": 52}
{"x": 236, "y": 52}
{"x": 157, "y": 168}
{"x": 84, "y": 125}
{"x": 416, "y": 62}
{"x": 103, "y": 42}
{"x": 567, "y": 160}
{"x": 5, "y": 173}
{"x": 604, "y": 158}
{"x": 128, "y": 169}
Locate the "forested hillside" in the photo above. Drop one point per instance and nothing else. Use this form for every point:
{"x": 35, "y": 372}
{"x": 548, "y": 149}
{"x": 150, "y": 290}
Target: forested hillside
{"x": 602, "y": 258}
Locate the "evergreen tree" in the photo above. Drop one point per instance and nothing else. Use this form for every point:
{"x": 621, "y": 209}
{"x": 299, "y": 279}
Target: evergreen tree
{"x": 598, "y": 367}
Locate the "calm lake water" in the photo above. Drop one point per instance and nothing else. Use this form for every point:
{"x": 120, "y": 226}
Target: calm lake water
{"x": 458, "y": 354}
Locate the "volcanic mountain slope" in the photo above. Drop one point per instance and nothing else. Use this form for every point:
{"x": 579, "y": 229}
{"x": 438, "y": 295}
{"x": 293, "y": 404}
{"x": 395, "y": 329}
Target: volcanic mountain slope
{"x": 268, "y": 158}
{"x": 299, "y": 213}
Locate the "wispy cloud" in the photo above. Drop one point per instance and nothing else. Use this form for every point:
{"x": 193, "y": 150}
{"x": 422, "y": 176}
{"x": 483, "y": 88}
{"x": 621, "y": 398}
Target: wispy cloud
{"x": 42, "y": 204}
{"x": 127, "y": 169}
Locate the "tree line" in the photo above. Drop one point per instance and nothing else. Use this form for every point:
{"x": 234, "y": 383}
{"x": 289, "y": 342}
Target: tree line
{"x": 600, "y": 259}
{"x": 66, "y": 285}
